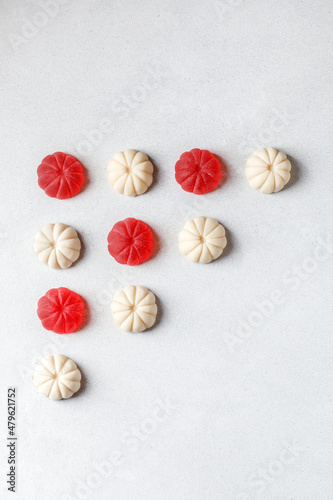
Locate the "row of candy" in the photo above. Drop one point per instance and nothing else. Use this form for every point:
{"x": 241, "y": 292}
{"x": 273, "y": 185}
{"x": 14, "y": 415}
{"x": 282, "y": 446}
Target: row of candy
{"x": 62, "y": 311}
{"x": 130, "y": 242}
{"x": 130, "y": 172}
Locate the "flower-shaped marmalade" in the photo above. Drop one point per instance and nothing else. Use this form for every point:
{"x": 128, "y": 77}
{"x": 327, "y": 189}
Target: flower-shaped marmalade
{"x": 202, "y": 240}
{"x": 130, "y": 242}
{"x": 57, "y": 377}
{"x": 61, "y": 310}
{"x": 60, "y": 175}
{"x": 57, "y": 245}
{"x": 268, "y": 170}
{"x": 130, "y": 172}
{"x": 134, "y": 308}
{"x": 198, "y": 171}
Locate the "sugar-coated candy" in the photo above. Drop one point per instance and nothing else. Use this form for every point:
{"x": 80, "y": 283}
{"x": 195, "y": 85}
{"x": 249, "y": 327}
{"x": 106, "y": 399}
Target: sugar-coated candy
{"x": 202, "y": 240}
{"x": 198, "y": 171}
{"x": 130, "y": 241}
{"x": 57, "y": 245}
{"x": 61, "y": 310}
{"x": 57, "y": 377}
{"x": 130, "y": 172}
{"x": 134, "y": 308}
{"x": 60, "y": 175}
{"x": 268, "y": 170}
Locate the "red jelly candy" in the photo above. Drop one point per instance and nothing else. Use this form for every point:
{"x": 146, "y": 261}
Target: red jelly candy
{"x": 198, "y": 171}
{"x": 130, "y": 241}
{"x": 60, "y": 175}
{"x": 61, "y": 310}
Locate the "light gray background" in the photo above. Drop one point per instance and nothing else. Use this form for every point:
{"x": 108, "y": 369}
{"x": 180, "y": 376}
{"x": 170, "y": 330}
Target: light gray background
{"x": 96, "y": 77}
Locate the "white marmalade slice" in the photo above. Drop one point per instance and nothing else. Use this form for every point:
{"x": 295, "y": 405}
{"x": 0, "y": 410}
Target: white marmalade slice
{"x": 57, "y": 377}
{"x": 268, "y": 170}
{"x": 130, "y": 172}
{"x": 202, "y": 240}
{"x": 134, "y": 308}
{"x": 57, "y": 245}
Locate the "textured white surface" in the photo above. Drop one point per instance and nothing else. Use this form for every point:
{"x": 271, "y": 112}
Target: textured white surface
{"x": 165, "y": 77}
{"x": 202, "y": 240}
